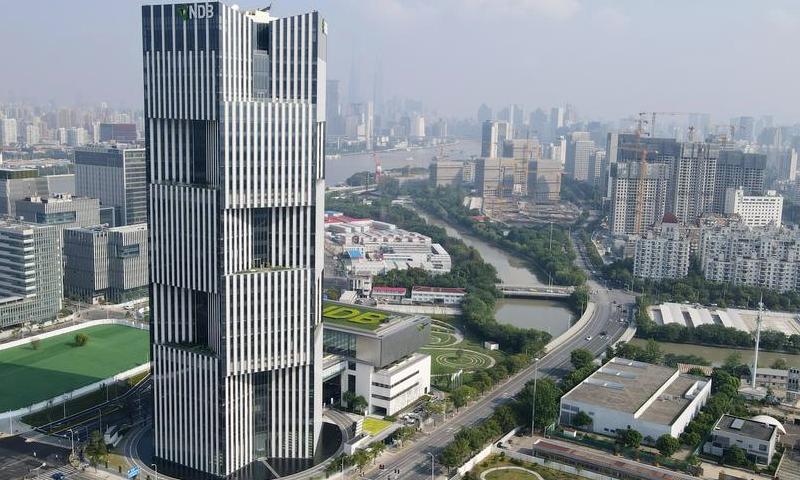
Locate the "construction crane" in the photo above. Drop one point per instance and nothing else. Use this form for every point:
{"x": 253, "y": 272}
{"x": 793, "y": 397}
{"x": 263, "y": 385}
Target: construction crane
{"x": 653, "y": 116}
{"x": 725, "y": 138}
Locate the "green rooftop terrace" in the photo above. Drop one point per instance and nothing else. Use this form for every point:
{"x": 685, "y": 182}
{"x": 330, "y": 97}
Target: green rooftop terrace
{"x": 355, "y": 316}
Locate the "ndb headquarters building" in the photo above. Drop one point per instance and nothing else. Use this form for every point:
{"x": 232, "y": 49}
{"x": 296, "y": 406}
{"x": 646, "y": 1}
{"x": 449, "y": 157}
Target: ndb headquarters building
{"x": 235, "y": 111}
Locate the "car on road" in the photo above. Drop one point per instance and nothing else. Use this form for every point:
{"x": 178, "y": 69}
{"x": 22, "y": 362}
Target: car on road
{"x": 588, "y": 337}
{"x": 58, "y": 476}
{"x": 603, "y": 334}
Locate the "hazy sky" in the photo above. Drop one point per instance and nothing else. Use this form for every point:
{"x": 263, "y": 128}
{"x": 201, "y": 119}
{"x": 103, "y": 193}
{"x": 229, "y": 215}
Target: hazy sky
{"x": 610, "y": 58}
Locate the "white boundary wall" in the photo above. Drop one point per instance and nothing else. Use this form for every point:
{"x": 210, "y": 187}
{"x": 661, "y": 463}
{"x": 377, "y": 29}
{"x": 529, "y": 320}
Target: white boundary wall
{"x": 80, "y": 391}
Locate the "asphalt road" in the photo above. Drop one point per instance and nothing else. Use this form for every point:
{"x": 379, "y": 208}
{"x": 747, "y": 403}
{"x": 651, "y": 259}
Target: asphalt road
{"x": 414, "y": 463}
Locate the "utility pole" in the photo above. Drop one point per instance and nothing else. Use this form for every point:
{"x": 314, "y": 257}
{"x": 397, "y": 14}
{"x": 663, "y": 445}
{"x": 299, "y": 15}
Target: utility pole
{"x": 758, "y": 340}
{"x": 533, "y": 402}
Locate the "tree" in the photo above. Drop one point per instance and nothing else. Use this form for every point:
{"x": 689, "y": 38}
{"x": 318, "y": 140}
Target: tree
{"x": 547, "y": 398}
{"x": 630, "y": 438}
{"x": 581, "y": 358}
{"x": 35, "y": 342}
{"x": 697, "y": 371}
{"x": 360, "y": 404}
{"x": 667, "y": 445}
{"x": 733, "y": 360}
{"x": 735, "y": 456}
{"x": 691, "y": 439}
{"x": 581, "y": 419}
{"x": 96, "y": 450}
{"x": 81, "y": 339}
{"x": 652, "y": 352}
{"x": 779, "y": 363}
{"x": 375, "y": 450}
{"x": 433, "y": 409}
{"x": 361, "y": 458}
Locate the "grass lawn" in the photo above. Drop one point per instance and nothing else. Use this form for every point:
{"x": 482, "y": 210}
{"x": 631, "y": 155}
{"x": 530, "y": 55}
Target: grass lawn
{"x": 29, "y": 376}
{"x": 510, "y": 474}
{"x": 373, "y": 426}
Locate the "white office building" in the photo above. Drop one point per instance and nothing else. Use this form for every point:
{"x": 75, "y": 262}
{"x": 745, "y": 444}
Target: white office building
{"x": 625, "y": 394}
{"x": 757, "y": 436}
{"x": 235, "y": 125}
{"x": 440, "y": 295}
{"x": 755, "y": 210}
{"x": 373, "y": 354}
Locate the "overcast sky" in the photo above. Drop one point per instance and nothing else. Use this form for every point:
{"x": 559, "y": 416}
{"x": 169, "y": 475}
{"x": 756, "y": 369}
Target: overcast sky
{"x": 609, "y": 58}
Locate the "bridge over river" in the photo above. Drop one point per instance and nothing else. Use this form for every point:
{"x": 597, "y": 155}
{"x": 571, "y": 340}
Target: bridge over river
{"x": 535, "y": 291}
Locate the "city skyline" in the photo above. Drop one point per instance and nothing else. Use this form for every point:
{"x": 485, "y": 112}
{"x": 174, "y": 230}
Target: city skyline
{"x": 427, "y": 54}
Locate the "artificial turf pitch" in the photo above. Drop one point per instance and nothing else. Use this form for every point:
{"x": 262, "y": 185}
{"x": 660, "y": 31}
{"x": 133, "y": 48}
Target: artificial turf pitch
{"x": 29, "y": 376}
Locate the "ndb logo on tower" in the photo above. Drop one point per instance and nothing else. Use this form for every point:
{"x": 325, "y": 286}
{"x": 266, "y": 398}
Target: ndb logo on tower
{"x": 196, "y": 10}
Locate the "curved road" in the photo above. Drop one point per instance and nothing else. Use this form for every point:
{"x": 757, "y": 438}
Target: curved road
{"x": 414, "y": 463}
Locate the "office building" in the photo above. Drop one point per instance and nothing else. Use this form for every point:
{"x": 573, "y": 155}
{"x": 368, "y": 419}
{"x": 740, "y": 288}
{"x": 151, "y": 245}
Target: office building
{"x": 662, "y": 252}
{"x": 544, "y": 179}
{"x": 488, "y": 175}
{"x": 236, "y": 187}
{"x": 388, "y": 294}
{"x": 556, "y": 120}
{"x": 62, "y": 211}
{"x": 627, "y": 216}
{"x": 118, "y": 132}
{"x": 759, "y": 257}
{"x": 106, "y": 263}
{"x": 493, "y": 137}
{"x": 755, "y": 210}
{"x": 738, "y": 169}
{"x": 758, "y": 437}
{"x": 30, "y": 273}
{"x": 117, "y": 177}
{"x": 20, "y": 183}
{"x": 8, "y": 132}
{"x": 373, "y": 354}
{"x": 625, "y": 394}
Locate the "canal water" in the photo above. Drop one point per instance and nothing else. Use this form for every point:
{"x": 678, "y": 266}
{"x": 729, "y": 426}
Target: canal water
{"x": 547, "y": 315}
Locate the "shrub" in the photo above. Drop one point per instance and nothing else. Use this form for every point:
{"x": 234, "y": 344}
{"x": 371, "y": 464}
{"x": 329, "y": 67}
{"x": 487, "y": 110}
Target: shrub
{"x": 81, "y": 339}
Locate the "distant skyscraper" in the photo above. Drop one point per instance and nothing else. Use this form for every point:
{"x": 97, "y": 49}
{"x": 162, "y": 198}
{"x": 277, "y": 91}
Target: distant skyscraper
{"x": 118, "y": 132}
{"x": 516, "y": 121}
{"x": 236, "y": 191}
{"x": 556, "y": 119}
{"x": 484, "y": 114}
{"x": 117, "y": 177}
{"x": 333, "y": 109}
{"x": 537, "y": 121}
{"x": 493, "y": 136}
{"x": 745, "y": 127}
{"x": 579, "y": 157}
{"x": 354, "y": 86}
{"x": 377, "y": 88}
{"x": 737, "y": 169}
{"x": 32, "y": 135}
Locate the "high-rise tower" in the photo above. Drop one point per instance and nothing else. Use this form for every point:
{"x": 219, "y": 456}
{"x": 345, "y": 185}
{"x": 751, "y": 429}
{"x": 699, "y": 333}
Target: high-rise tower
{"x": 235, "y": 110}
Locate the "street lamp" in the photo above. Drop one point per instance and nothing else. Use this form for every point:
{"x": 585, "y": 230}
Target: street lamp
{"x": 155, "y": 467}
{"x": 71, "y": 441}
{"x": 533, "y": 402}
{"x": 429, "y": 453}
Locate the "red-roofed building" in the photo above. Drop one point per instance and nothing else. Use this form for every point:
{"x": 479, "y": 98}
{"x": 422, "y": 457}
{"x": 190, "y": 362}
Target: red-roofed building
{"x": 389, "y": 294}
{"x": 444, "y": 295}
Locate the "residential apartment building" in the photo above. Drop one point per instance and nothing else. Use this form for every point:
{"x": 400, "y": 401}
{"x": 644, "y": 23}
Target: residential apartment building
{"x": 493, "y": 136}
{"x": 663, "y": 252}
{"x": 627, "y": 216}
{"x": 768, "y": 258}
{"x": 738, "y": 169}
{"x": 235, "y": 128}
{"x": 692, "y": 179}
{"x": 544, "y": 179}
{"x": 580, "y": 150}
{"x": 30, "y": 273}
{"x": 755, "y": 210}
{"x": 106, "y": 263}
{"x": 116, "y": 176}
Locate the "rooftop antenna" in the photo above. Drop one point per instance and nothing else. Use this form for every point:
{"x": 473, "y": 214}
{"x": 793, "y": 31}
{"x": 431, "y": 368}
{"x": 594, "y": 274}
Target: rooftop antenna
{"x": 758, "y": 339}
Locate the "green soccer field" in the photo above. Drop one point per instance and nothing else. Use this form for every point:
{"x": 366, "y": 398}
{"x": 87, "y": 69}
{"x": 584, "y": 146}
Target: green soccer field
{"x": 29, "y": 376}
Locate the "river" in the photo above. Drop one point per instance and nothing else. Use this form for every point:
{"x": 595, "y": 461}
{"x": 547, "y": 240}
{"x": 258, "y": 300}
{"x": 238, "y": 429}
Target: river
{"x": 337, "y": 170}
{"x": 546, "y": 315}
